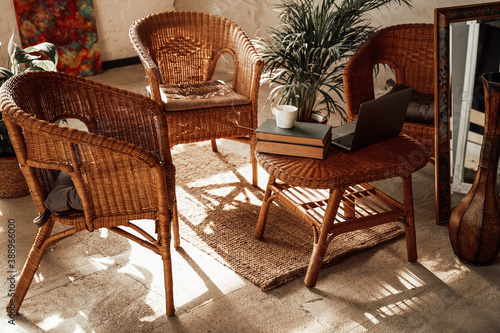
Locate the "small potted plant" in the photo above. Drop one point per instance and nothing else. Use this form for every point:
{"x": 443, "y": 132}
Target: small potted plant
{"x": 12, "y": 182}
{"x": 304, "y": 56}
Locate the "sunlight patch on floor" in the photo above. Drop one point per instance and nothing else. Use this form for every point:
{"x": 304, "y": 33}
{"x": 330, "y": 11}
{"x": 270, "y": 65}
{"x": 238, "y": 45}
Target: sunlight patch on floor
{"x": 221, "y": 191}
{"x": 51, "y": 322}
{"x": 410, "y": 280}
{"x": 208, "y": 230}
{"x": 248, "y": 196}
{"x": 104, "y": 232}
{"x": 398, "y": 298}
{"x": 38, "y": 277}
{"x": 190, "y": 200}
{"x": 372, "y": 318}
{"x": 227, "y": 177}
{"x": 132, "y": 270}
{"x": 448, "y": 274}
{"x": 1, "y": 228}
{"x": 101, "y": 263}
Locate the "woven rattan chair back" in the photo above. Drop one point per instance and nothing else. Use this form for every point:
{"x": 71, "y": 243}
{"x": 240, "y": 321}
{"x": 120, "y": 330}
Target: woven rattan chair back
{"x": 180, "y": 47}
{"x": 121, "y": 168}
{"x": 409, "y": 50}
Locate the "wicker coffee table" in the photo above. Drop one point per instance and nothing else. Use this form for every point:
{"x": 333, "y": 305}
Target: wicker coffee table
{"x": 333, "y": 195}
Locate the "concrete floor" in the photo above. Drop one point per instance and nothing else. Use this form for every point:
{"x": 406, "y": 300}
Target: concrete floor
{"x": 99, "y": 282}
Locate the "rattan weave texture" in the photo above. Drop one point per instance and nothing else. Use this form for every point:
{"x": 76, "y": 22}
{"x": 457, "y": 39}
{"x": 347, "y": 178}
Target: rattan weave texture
{"x": 12, "y": 179}
{"x": 409, "y": 50}
{"x": 181, "y": 47}
{"x": 321, "y": 192}
{"x": 341, "y": 168}
{"x": 122, "y": 169}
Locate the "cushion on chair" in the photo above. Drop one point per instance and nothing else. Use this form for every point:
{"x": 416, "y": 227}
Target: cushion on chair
{"x": 421, "y": 106}
{"x": 62, "y": 196}
{"x": 202, "y": 95}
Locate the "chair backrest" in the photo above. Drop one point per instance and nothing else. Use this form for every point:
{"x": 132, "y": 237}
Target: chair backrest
{"x": 118, "y": 167}
{"x": 186, "y": 45}
{"x": 407, "y": 48}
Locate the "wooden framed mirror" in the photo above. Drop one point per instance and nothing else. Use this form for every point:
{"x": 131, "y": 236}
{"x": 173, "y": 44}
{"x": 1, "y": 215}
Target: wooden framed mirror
{"x": 443, "y": 19}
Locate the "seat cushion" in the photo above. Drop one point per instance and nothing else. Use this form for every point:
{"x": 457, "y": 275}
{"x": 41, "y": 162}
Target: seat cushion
{"x": 202, "y": 95}
{"x": 63, "y": 197}
{"x": 421, "y": 106}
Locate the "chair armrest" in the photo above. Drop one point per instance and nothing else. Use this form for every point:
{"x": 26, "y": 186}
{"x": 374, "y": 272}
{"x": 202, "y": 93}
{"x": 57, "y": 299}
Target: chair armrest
{"x": 150, "y": 67}
{"x": 249, "y": 65}
{"x": 154, "y": 80}
{"x": 116, "y": 178}
{"x": 106, "y": 110}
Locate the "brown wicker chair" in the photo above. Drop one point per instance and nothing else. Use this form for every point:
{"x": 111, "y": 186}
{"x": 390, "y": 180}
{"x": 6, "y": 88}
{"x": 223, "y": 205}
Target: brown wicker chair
{"x": 409, "y": 50}
{"x": 179, "y": 51}
{"x": 121, "y": 168}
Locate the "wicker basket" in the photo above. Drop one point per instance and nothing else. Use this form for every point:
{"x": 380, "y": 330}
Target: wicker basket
{"x": 12, "y": 182}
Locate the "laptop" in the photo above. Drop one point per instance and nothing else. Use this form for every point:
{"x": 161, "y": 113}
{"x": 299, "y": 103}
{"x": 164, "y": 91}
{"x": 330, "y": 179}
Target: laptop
{"x": 378, "y": 120}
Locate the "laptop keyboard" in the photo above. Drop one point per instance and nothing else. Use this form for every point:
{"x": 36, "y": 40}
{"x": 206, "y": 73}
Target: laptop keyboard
{"x": 345, "y": 140}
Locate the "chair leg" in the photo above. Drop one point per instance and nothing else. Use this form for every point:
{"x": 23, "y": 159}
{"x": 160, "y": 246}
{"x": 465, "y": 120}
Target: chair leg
{"x": 169, "y": 286}
{"x": 175, "y": 225}
{"x": 253, "y": 161}
{"x": 164, "y": 251}
{"x": 321, "y": 244}
{"x": 261, "y": 224}
{"x": 30, "y": 267}
{"x": 214, "y": 145}
{"x": 411, "y": 241}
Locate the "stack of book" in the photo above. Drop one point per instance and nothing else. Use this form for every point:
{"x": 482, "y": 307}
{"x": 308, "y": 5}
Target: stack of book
{"x": 304, "y": 139}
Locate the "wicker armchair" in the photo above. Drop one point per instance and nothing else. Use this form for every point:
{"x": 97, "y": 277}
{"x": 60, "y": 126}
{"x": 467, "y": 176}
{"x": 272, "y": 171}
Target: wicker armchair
{"x": 409, "y": 50}
{"x": 122, "y": 168}
{"x": 179, "y": 51}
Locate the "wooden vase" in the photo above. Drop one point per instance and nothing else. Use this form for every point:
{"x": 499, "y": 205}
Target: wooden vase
{"x": 475, "y": 223}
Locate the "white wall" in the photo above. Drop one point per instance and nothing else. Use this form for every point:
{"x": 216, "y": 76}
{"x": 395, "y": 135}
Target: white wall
{"x": 113, "y": 19}
{"x": 7, "y": 25}
{"x": 254, "y": 16}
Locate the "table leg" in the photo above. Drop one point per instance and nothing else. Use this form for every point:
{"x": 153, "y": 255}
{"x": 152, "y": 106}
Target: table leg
{"x": 214, "y": 145}
{"x": 349, "y": 207}
{"x": 411, "y": 242}
{"x": 268, "y": 198}
{"x": 321, "y": 245}
{"x": 254, "y": 163}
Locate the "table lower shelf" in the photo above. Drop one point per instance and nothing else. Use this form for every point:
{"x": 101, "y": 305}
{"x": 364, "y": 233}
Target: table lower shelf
{"x": 331, "y": 212}
{"x": 362, "y": 206}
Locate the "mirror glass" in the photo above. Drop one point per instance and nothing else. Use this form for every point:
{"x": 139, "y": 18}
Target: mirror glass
{"x": 474, "y": 50}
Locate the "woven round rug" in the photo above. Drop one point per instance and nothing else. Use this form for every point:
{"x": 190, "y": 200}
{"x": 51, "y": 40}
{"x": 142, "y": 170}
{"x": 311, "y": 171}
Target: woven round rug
{"x": 218, "y": 212}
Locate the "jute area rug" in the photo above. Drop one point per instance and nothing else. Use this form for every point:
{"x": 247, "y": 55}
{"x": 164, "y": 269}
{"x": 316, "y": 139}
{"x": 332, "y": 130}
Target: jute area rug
{"x": 219, "y": 208}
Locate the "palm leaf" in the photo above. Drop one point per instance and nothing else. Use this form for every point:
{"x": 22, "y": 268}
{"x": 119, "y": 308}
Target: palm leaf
{"x": 306, "y": 53}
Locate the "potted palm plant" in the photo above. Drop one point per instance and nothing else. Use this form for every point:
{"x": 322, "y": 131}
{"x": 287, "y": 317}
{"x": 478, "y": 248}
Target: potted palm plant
{"x": 12, "y": 182}
{"x": 304, "y": 56}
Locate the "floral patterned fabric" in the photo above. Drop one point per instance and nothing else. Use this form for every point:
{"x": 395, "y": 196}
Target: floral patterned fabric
{"x": 68, "y": 24}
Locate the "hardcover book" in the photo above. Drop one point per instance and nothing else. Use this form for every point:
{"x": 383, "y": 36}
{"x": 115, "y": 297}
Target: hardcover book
{"x": 305, "y": 133}
{"x": 293, "y": 149}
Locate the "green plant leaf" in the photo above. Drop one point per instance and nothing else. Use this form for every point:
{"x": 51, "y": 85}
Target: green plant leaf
{"x": 6, "y": 73}
{"x": 49, "y": 49}
{"x": 22, "y": 57}
{"x": 33, "y": 69}
{"x": 46, "y": 65}
{"x": 10, "y": 50}
{"x": 304, "y": 56}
